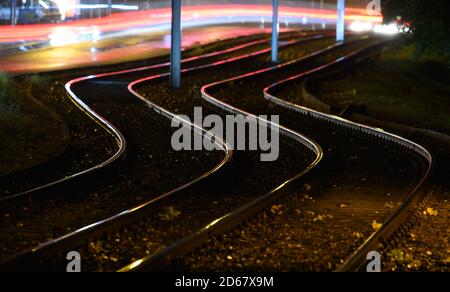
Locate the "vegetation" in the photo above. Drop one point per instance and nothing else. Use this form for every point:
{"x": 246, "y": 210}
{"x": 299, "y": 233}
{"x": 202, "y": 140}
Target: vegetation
{"x": 428, "y": 20}
{"x": 29, "y": 133}
{"x": 397, "y": 87}
{"x": 10, "y": 104}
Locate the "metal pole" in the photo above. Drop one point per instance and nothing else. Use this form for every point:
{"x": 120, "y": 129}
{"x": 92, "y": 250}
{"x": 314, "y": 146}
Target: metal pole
{"x": 109, "y": 7}
{"x": 321, "y": 11}
{"x": 175, "y": 50}
{"x": 340, "y": 24}
{"x": 13, "y": 12}
{"x": 99, "y": 10}
{"x": 275, "y": 31}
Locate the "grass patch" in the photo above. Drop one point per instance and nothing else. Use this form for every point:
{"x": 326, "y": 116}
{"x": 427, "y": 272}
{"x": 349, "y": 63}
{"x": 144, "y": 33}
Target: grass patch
{"x": 12, "y": 115}
{"x": 396, "y": 86}
{"x": 9, "y": 106}
{"x": 29, "y": 133}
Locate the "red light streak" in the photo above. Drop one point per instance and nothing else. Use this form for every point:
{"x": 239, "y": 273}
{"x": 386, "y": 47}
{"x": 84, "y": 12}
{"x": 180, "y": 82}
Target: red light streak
{"x": 147, "y": 18}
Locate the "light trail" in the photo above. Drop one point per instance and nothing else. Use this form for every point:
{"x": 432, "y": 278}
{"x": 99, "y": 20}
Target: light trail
{"x": 159, "y": 19}
{"x": 136, "y": 35}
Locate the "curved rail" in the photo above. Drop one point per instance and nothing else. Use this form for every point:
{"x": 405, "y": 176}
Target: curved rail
{"x": 355, "y": 261}
{"x": 109, "y": 128}
{"x": 138, "y": 212}
{"x": 235, "y": 217}
{"x": 113, "y": 223}
{"x": 358, "y": 258}
{"x": 99, "y": 120}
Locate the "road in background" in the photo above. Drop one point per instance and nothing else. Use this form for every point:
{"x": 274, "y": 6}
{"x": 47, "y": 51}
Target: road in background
{"x": 137, "y": 35}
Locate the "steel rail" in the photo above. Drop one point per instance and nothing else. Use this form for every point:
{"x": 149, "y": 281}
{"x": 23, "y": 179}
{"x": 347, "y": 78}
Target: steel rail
{"x": 133, "y": 214}
{"x": 356, "y": 261}
{"x": 230, "y": 220}
{"x": 108, "y": 127}
{"x": 114, "y": 222}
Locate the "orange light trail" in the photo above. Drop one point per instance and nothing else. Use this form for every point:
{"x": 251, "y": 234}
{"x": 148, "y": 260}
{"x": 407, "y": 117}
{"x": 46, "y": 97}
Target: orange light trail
{"x": 157, "y": 17}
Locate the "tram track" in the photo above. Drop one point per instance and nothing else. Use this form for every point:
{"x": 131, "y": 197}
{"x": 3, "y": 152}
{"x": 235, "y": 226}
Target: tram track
{"x": 401, "y": 214}
{"x": 217, "y": 226}
{"x": 56, "y": 172}
{"x": 80, "y": 235}
{"x": 149, "y": 214}
{"x": 195, "y": 213}
{"x": 414, "y": 166}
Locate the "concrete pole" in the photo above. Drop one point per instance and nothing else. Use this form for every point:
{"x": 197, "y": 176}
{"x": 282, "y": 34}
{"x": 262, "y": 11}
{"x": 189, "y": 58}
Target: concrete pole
{"x": 175, "y": 50}
{"x": 275, "y": 32}
{"x": 340, "y": 23}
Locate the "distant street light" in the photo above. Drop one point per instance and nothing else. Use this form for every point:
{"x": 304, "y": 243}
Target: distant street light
{"x": 175, "y": 50}
{"x": 340, "y": 23}
{"x": 275, "y": 32}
